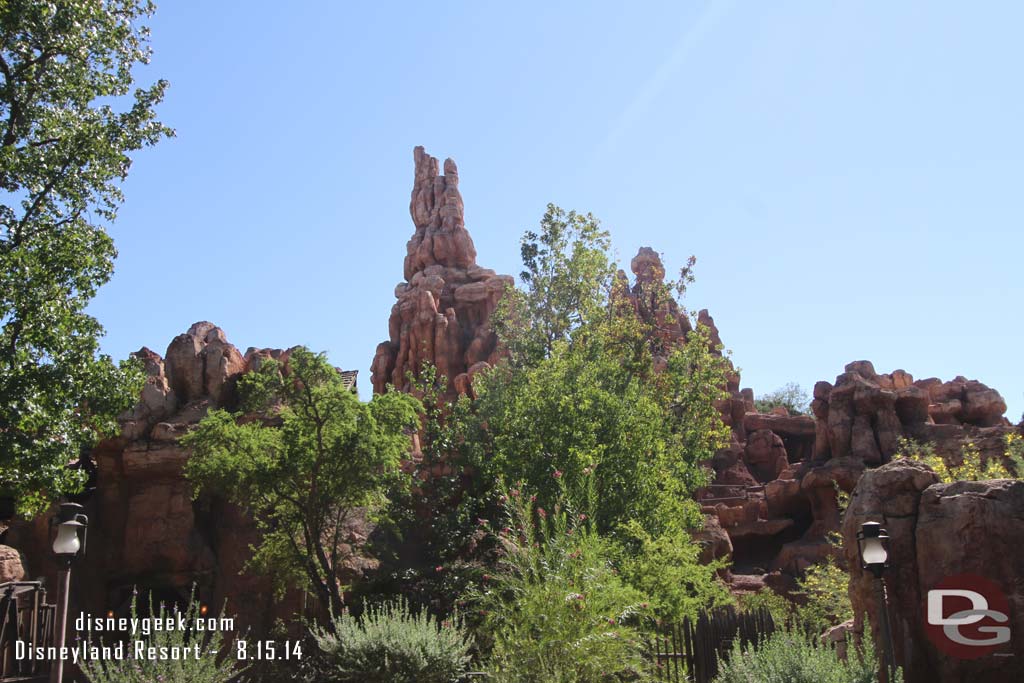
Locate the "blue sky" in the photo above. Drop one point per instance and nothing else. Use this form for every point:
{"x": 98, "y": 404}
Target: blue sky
{"x": 847, "y": 174}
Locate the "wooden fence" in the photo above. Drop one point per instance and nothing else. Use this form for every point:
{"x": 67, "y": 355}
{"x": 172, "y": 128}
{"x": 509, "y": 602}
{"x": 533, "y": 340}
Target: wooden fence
{"x": 690, "y": 651}
{"x": 24, "y": 616}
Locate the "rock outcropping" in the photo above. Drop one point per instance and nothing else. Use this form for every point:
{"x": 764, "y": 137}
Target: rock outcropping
{"x": 146, "y": 530}
{"x": 445, "y": 303}
{"x": 938, "y": 531}
{"x": 804, "y": 462}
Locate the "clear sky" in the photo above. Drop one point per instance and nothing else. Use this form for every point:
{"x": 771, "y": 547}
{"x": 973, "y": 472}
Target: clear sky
{"x": 849, "y": 175}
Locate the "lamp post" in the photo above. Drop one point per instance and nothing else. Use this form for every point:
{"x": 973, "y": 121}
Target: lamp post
{"x": 72, "y": 527}
{"x": 872, "y": 540}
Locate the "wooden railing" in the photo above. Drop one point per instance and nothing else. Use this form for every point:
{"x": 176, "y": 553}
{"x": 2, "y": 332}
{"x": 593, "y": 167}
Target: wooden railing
{"x": 690, "y": 651}
{"x": 25, "y": 617}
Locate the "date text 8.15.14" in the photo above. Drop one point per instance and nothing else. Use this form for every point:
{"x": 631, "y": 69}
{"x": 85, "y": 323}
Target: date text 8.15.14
{"x": 266, "y": 650}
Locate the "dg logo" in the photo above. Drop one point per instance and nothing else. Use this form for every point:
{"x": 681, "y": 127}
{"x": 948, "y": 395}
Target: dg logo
{"x": 967, "y": 616}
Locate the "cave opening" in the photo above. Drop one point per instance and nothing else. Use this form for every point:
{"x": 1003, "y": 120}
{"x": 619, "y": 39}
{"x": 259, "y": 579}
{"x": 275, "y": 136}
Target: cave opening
{"x": 756, "y": 553}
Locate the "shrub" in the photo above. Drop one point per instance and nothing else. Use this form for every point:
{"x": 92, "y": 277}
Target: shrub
{"x": 390, "y": 644}
{"x": 1015, "y": 453}
{"x": 788, "y": 657}
{"x": 971, "y": 467}
{"x": 668, "y": 569}
{"x": 557, "y": 608}
{"x": 207, "y": 668}
{"x": 828, "y": 602}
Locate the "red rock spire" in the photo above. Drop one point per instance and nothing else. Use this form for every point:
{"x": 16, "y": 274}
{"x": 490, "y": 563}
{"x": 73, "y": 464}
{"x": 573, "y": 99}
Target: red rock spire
{"x": 445, "y": 303}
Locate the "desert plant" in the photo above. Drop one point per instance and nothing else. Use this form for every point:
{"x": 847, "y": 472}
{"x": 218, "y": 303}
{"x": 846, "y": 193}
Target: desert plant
{"x": 391, "y": 644}
{"x": 791, "y": 657}
{"x": 202, "y": 665}
{"x": 557, "y": 608}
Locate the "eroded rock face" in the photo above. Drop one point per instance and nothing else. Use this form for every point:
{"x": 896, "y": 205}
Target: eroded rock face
{"x": 445, "y": 303}
{"x": 938, "y": 531}
{"x": 865, "y": 413}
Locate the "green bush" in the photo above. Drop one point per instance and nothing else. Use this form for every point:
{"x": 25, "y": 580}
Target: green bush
{"x": 787, "y": 657}
{"x": 207, "y": 668}
{"x": 390, "y": 644}
{"x": 972, "y": 466}
{"x": 668, "y": 569}
{"x": 824, "y": 585}
{"x": 557, "y": 608}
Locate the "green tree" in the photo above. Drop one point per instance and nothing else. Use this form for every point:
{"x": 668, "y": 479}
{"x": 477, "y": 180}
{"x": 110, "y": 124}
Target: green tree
{"x": 435, "y": 542}
{"x": 668, "y": 569}
{"x": 581, "y": 405}
{"x": 791, "y": 397}
{"x": 567, "y": 277}
{"x": 68, "y": 121}
{"x": 318, "y": 458}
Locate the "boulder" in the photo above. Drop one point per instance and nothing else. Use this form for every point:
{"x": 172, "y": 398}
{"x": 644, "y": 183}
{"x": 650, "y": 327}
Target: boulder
{"x": 713, "y": 540}
{"x": 975, "y": 527}
{"x": 890, "y": 495}
{"x": 765, "y": 455}
{"x": 10, "y": 565}
{"x": 964, "y": 535}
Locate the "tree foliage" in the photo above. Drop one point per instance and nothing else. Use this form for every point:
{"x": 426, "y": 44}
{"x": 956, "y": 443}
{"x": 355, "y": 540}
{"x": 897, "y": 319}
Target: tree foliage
{"x": 68, "y": 122}
{"x": 435, "y": 541}
{"x": 791, "y": 397}
{"x": 318, "y": 459}
{"x": 580, "y": 405}
{"x": 567, "y": 276}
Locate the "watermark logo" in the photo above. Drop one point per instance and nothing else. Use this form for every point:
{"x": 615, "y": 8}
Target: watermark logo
{"x": 967, "y": 616}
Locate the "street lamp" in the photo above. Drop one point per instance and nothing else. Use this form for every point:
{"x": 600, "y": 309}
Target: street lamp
{"x": 872, "y": 542}
{"x": 72, "y": 527}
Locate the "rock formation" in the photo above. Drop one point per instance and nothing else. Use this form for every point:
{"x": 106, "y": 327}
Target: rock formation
{"x": 803, "y": 462}
{"x": 146, "y": 530}
{"x": 773, "y": 501}
{"x": 446, "y": 300}
{"x": 938, "y": 531}
{"x": 10, "y": 565}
